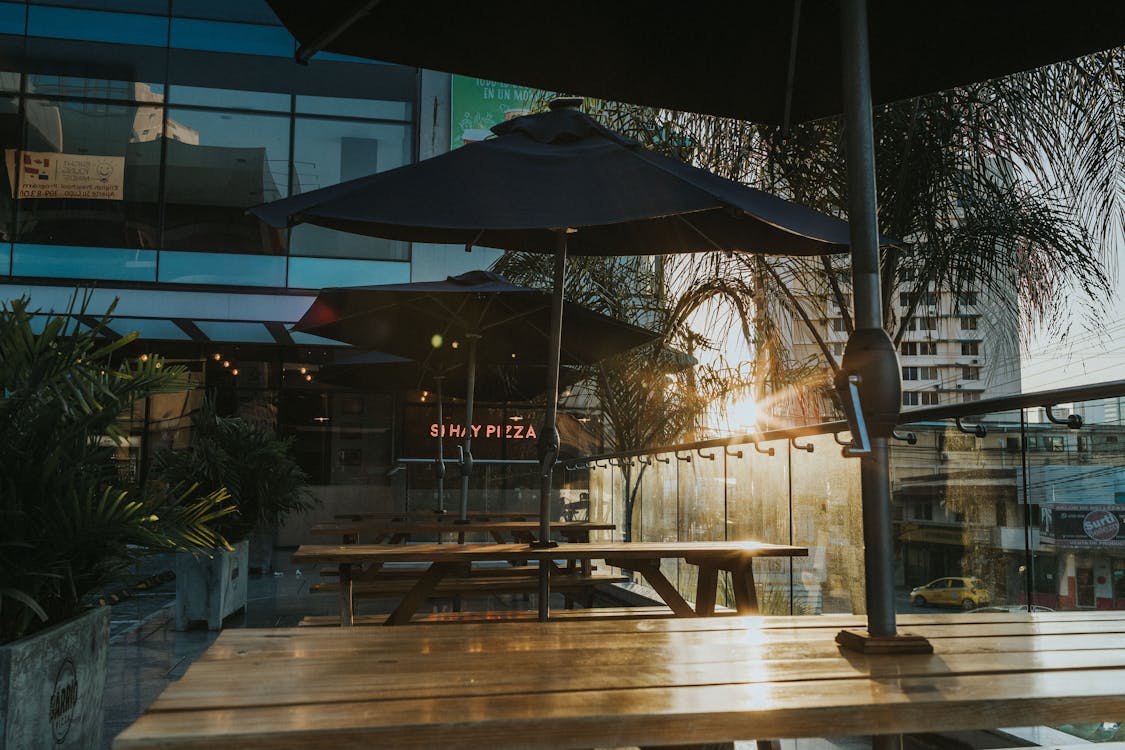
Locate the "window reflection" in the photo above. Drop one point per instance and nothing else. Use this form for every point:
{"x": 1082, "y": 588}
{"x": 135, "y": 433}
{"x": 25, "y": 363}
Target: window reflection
{"x": 86, "y": 175}
{"x": 327, "y": 152}
{"x": 217, "y": 165}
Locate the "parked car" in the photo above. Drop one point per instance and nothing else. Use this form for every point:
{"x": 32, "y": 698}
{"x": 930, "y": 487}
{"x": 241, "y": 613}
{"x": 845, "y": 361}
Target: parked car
{"x": 963, "y": 592}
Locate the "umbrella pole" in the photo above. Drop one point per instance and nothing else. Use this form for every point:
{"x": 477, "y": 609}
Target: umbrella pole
{"x": 440, "y": 463}
{"x": 879, "y": 376}
{"x": 549, "y": 436}
{"x": 467, "y": 440}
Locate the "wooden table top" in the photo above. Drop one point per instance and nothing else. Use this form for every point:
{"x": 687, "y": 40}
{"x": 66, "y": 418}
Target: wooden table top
{"x": 700, "y": 551}
{"x": 412, "y": 526}
{"x": 634, "y": 682}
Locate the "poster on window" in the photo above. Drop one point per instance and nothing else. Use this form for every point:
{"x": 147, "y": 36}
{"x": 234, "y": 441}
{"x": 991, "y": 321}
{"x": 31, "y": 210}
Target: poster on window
{"x": 1083, "y": 525}
{"x": 476, "y": 105}
{"x": 46, "y": 174}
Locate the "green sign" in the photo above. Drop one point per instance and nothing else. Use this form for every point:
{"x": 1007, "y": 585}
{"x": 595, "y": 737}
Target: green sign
{"x": 476, "y": 105}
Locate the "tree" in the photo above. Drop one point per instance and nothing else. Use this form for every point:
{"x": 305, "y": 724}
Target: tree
{"x": 1011, "y": 187}
{"x": 657, "y": 394}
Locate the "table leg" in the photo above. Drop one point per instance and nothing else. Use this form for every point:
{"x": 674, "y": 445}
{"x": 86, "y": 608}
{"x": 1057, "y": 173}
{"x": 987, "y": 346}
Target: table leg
{"x": 418, "y": 594}
{"x": 706, "y": 589}
{"x": 745, "y": 595}
{"x": 346, "y": 595}
{"x": 650, "y": 569}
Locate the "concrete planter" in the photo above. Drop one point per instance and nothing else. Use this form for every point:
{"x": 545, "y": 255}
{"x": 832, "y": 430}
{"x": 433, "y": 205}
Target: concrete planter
{"x": 262, "y": 542}
{"x": 211, "y": 589}
{"x": 52, "y": 685}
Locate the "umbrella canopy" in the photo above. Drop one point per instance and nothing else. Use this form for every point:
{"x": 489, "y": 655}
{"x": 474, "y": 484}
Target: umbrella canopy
{"x": 494, "y": 320}
{"x": 563, "y": 169}
{"x": 430, "y": 321}
{"x": 744, "y": 60}
{"x": 500, "y": 382}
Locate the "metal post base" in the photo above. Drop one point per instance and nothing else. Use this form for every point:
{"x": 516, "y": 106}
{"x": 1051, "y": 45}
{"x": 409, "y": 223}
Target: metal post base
{"x": 861, "y": 641}
{"x": 543, "y": 544}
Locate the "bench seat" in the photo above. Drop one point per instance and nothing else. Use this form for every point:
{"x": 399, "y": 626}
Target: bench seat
{"x": 515, "y": 615}
{"x": 453, "y": 586}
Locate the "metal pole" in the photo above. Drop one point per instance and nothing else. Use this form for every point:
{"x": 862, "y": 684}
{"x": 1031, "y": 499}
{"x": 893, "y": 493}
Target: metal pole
{"x": 549, "y": 436}
{"x": 440, "y": 468}
{"x": 467, "y": 441}
{"x": 860, "y": 151}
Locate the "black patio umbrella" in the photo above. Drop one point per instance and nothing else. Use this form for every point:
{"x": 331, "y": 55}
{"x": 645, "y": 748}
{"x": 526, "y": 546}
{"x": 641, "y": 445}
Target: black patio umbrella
{"x": 780, "y": 62}
{"x": 497, "y": 383}
{"x": 560, "y": 182}
{"x": 495, "y": 321}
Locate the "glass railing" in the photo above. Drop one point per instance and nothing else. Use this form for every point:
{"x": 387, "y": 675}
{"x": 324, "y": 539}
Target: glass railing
{"x": 993, "y": 505}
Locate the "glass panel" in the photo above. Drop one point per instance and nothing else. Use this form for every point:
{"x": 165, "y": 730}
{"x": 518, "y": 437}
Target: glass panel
{"x": 342, "y": 107}
{"x": 318, "y": 273}
{"x": 242, "y": 38}
{"x": 827, "y": 518}
{"x": 52, "y": 84}
{"x": 327, "y": 152}
{"x": 84, "y": 262}
{"x": 12, "y": 18}
{"x": 150, "y": 328}
{"x": 5, "y": 259}
{"x": 219, "y": 164}
{"x": 254, "y": 11}
{"x": 156, "y": 7}
{"x": 221, "y": 268}
{"x": 88, "y": 174}
{"x": 308, "y": 339}
{"x": 97, "y": 26}
{"x": 223, "y": 331}
{"x": 228, "y": 98}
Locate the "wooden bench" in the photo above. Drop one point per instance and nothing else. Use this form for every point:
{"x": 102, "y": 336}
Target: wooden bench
{"x": 642, "y": 557}
{"x": 472, "y": 585}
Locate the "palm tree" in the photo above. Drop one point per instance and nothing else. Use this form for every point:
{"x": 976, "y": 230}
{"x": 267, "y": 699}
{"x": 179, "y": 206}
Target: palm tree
{"x": 1011, "y": 189}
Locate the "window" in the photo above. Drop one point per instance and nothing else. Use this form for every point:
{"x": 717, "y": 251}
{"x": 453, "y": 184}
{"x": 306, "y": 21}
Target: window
{"x": 923, "y": 323}
{"x": 970, "y": 373}
{"x": 910, "y": 373}
{"x": 910, "y": 398}
{"x": 928, "y": 373}
{"x": 911, "y": 348}
{"x": 838, "y": 325}
{"x": 1083, "y": 444}
{"x": 958, "y": 441}
{"x": 1055, "y": 443}
{"x": 838, "y": 348}
{"x": 966, "y": 298}
{"x": 970, "y": 396}
{"x": 969, "y": 323}
{"x": 930, "y": 398}
{"x": 970, "y": 348}
{"x": 927, "y": 298}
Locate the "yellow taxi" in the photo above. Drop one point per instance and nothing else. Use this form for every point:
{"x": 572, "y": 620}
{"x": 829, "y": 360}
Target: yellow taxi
{"x": 966, "y": 593}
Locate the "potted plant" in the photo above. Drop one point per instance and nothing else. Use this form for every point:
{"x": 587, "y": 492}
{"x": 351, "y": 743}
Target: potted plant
{"x": 68, "y": 526}
{"x": 265, "y": 484}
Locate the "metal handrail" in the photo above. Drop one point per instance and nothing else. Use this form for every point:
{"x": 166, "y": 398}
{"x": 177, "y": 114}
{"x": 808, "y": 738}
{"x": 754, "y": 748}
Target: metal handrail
{"x": 1110, "y": 389}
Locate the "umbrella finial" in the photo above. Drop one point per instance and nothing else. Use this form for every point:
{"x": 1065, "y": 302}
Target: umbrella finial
{"x": 566, "y": 102}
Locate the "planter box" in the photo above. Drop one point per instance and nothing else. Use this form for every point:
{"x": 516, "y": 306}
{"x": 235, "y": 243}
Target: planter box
{"x": 52, "y": 685}
{"x": 211, "y": 589}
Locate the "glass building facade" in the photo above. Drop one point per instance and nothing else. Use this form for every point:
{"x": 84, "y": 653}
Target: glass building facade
{"x": 135, "y": 134}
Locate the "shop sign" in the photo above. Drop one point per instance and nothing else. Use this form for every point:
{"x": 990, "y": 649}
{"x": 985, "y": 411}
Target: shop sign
{"x": 506, "y": 431}
{"x": 477, "y": 104}
{"x": 1083, "y": 525}
{"x": 46, "y": 174}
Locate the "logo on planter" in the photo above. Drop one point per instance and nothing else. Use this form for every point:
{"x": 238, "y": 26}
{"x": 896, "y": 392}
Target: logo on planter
{"x": 1101, "y": 525}
{"x": 64, "y": 700}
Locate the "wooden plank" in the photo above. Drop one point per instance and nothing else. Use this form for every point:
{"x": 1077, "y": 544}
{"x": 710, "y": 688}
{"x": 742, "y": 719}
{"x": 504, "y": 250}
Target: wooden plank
{"x": 342, "y": 677}
{"x": 647, "y": 716}
{"x": 452, "y": 586}
{"x": 722, "y": 554}
{"x": 499, "y": 616}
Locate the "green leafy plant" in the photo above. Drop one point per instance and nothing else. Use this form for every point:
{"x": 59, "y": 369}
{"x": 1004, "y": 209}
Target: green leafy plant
{"x": 250, "y": 462}
{"x": 67, "y": 526}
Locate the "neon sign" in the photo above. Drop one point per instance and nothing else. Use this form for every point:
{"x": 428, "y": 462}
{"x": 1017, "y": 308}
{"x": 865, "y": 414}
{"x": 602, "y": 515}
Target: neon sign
{"x": 503, "y": 431}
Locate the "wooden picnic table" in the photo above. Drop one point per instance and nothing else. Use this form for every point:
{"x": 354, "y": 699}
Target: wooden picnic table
{"x": 643, "y": 557}
{"x": 395, "y": 532}
{"x": 634, "y": 682}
